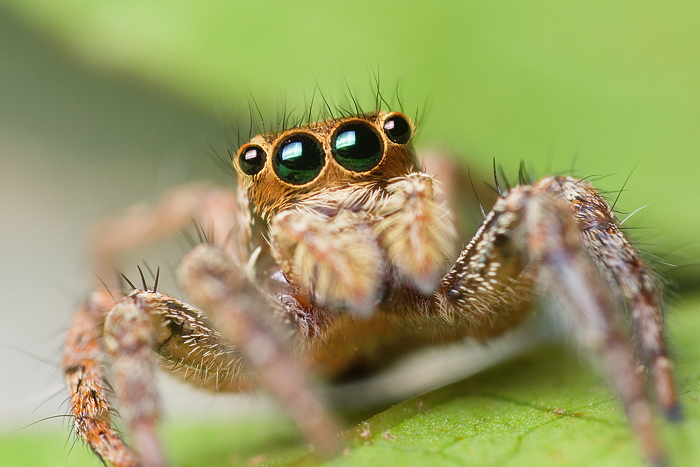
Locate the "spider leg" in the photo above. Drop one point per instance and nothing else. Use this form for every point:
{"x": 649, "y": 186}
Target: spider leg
{"x": 639, "y": 286}
{"x": 82, "y": 364}
{"x": 138, "y": 324}
{"x": 129, "y": 338}
{"x": 251, "y": 319}
{"x": 214, "y": 209}
{"x": 531, "y": 242}
{"x": 554, "y": 242}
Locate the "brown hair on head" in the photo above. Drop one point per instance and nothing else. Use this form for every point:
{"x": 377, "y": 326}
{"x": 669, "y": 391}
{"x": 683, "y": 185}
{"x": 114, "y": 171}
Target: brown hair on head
{"x": 269, "y": 193}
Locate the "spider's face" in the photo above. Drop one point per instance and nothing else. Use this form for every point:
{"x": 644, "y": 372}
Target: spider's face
{"x": 278, "y": 169}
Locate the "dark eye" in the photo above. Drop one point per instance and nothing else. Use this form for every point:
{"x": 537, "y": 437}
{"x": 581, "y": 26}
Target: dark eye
{"x": 357, "y": 147}
{"x": 298, "y": 159}
{"x": 398, "y": 129}
{"x": 251, "y": 159}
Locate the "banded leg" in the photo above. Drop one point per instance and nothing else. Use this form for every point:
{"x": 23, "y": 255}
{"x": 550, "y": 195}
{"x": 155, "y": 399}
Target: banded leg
{"x": 638, "y": 285}
{"x": 129, "y": 338}
{"x": 83, "y": 354}
{"x": 531, "y": 240}
{"x": 139, "y": 324}
{"x": 244, "y": 315}
{"x": 82, "y": 364}
{"x": 215, "y": 209}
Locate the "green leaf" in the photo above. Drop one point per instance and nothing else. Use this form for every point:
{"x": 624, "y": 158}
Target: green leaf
{"x": 545, "y": 409}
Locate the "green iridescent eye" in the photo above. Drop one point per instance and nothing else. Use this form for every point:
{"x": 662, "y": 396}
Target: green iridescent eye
{"x": 298, "y": 159}
{"x": 357, "y": 146}
{"x": 398, "y": 129}
{"x": 251, "y": 159}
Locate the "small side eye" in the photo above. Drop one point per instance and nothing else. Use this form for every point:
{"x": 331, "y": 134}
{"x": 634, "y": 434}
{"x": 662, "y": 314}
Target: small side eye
{"x": 298, "y": 159}
{"x": 398, "y": 129}
{"x": 251, "y": 159}
{"x": 357, "y": 147}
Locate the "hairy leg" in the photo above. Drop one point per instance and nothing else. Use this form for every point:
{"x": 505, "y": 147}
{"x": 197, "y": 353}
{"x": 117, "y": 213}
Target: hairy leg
{"x": 82, "y": 363}
{"x": 640, "y": 288}
{"x": 147, "y": 321}
{"x": 137, "y": 325}
{"x": 245, "y": 315}
{"x": 531, "y": 242}
{"x": 215, "y": 209}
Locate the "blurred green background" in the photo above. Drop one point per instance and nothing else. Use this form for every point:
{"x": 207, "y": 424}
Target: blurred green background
{"x": 614, "y": 86}
{"x": 104, "y": 103}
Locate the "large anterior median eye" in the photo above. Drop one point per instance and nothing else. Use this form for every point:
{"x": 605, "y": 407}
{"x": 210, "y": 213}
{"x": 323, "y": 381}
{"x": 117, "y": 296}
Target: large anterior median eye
{"x": 251, "y": 159}
{"x": 298, "y": 159}
{"x": 357, "y": 147}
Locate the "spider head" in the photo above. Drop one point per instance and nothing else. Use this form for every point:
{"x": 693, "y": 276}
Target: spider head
{"x": 279, "y": 169}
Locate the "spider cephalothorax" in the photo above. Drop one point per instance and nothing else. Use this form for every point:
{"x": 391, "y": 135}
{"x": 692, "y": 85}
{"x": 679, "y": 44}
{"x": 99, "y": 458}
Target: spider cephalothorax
{"x": 336, "y": 246}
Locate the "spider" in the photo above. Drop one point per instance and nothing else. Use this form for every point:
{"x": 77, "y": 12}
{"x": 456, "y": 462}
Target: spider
{"x": 334, "y": 256}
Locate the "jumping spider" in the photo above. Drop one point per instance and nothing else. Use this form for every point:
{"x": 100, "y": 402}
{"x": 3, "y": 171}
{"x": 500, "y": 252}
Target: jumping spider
{"x": 330, "y": 259}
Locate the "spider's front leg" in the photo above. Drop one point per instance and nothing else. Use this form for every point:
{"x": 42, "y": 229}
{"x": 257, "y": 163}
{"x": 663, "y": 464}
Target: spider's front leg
{"x": 637, "y": 284}
{"x": 82, "y": 364}
{"x": 264, "y": 330}
{"x": 131, "y": 330}
{"x": 146, "y": 321}
{"x": 83, "y": 357}
{"x": 559, "y": 236}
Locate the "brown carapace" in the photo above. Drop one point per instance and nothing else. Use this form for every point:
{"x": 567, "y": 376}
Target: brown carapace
{"x": 335, "y": 255}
